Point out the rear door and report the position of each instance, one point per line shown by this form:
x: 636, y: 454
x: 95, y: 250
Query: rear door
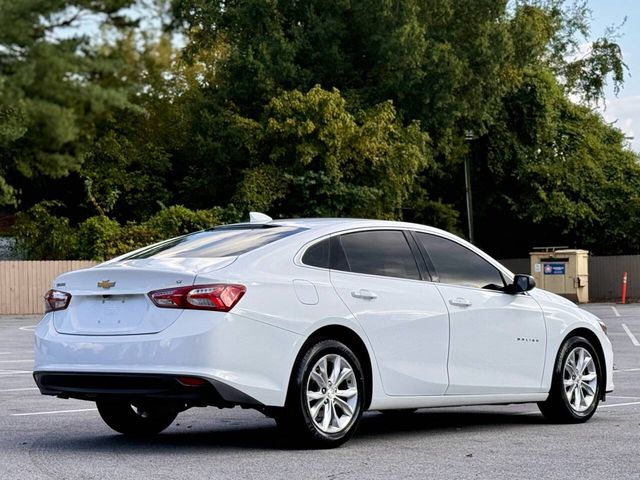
x: 498, y: 339
x: 376, y: 275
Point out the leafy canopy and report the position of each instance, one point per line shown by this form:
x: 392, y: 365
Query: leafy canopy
x: 332, y: 108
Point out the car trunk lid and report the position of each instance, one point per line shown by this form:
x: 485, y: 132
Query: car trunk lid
x: 112, y: 299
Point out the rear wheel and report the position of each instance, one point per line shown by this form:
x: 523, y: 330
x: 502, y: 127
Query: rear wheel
x: 326, y: 396
x: 576, y: 386
x: 135, y: 420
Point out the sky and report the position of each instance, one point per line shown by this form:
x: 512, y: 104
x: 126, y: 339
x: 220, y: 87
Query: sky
x: 623, y: 110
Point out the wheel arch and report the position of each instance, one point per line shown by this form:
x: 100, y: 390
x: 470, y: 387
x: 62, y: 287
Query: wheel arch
x: 352, y: 340
x: 595, y: 341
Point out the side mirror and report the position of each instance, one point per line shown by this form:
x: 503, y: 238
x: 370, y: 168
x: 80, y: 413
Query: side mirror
x: 522, y: 283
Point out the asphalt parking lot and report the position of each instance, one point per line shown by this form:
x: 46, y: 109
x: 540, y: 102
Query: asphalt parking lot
x: 44, y: 437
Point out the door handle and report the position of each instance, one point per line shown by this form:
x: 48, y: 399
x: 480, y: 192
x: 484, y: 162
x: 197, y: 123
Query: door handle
x: 460, y: 302
x: 364, y: 294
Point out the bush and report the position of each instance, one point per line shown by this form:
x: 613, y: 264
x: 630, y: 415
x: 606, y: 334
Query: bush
x: 178, y: 220
x: 42, y: 235
x: 96, y: 237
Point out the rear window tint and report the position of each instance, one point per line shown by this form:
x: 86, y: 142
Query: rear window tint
x: 379, y: 252
x: 317, y: 255
x: 217, y: 242
x: 326, y: 254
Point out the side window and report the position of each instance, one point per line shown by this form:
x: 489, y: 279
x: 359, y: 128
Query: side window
x: 317, y: 255
x: 379, y: 252
x: 458, y: 265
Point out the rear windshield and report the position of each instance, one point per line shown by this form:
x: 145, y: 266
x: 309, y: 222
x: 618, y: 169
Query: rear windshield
x: 217, y: 242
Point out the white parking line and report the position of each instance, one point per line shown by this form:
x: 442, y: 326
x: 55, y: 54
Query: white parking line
x: 628, y: 370
x: 634, y: 340
x: 6, y: 373
x: 5, y: 353
x: 535, y: 412
x: 54, y: 412
x: 19, y: 389
x: 618, y: 405
x: 28, y: 328
x: 615, y: 311
x: 17, y: 361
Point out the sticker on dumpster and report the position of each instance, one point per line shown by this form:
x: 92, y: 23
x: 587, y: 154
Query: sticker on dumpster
x: 537, y: 267
x: 554, y: 268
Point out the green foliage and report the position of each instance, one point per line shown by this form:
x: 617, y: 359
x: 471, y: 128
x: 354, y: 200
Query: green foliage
x: 316, y: 158
x: 119, y: 173
x: 563, y: 174
x: 315, y: 108
x: 99, y: 237
x: 446, y: 63
x: 53, y: 91
x: 178, y: 220
x: 588, y: 75
x: 262, y: 187
x: 582, y: 68
x: 43, y: 236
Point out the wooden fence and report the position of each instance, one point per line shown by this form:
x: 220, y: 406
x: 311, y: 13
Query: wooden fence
x: 24, y: 283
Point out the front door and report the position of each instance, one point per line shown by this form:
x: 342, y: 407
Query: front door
x: 497, y: 339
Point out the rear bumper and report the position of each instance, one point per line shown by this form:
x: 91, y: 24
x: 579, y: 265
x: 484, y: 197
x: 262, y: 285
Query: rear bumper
x: 139, y: 387
x: 231, y: 352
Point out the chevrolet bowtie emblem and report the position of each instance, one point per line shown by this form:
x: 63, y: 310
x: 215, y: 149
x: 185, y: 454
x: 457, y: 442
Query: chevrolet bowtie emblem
x: 106, y: 284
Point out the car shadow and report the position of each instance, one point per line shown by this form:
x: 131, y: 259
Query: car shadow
x: 266, y: 436
x: 436, y: 422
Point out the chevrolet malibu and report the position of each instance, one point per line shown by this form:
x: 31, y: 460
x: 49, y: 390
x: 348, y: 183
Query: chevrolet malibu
x: 313, y: 322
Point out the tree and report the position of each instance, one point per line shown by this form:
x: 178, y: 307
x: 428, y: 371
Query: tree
x: 315, y: 158
x: 52, y: 89
x: 333, y: 107
x: 445, y: 63
x: 556, y: 173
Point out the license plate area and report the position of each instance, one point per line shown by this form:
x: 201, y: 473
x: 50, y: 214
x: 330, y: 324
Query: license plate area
x: 130, y: 314
x: 111, y: 309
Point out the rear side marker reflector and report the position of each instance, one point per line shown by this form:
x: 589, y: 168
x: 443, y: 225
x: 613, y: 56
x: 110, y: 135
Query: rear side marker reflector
x: 191, y: 381
x: 56, y: 300
x: 218, y: 297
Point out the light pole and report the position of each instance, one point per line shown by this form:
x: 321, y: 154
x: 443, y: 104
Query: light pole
x: 468, y: 136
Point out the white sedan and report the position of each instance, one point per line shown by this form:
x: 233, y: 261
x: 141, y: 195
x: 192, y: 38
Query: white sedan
x: 313, y: 322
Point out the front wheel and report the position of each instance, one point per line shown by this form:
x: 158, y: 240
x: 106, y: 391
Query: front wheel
x: 135, y: 420
x: 576, y: 385
x: 326, y: 396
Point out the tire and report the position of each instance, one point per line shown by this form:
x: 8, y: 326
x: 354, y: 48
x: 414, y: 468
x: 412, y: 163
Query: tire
x: 318, y: 413
x: 573, y: 399
x: 132, y: 420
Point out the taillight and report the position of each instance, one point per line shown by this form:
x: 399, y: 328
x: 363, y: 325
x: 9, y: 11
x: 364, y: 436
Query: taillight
x: 220, y: 297
x: 56, y: 300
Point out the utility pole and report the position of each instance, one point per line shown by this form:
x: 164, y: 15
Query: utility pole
x: 469, y: 136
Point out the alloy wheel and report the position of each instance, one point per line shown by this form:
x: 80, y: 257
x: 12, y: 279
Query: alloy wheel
x: 580, y: 379
x: 332, y: 394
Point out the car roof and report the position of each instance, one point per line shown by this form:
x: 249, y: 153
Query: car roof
x: 316, y: 227
x: 323, y: 226
x: 316, y: 223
